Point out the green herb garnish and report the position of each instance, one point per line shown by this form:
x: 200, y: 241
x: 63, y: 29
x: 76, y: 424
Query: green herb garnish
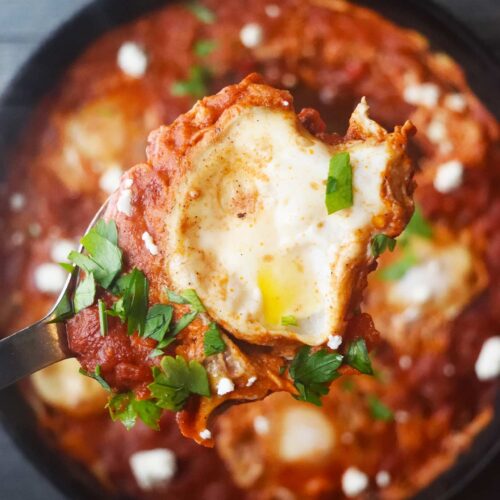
x: 176, y: 381
x: 96, y: 376
x: 380, y: 243
x: 195, y: 85
x: 399, y: 268
x: 289, y: 321
x: 203, y: 48
x: 192, y: 298
x: 135, y: 302
x: 103, y: 317
x: 84, y: 293
x: 357, y: 357
x: 126, y: 408
x: 313, y: 373
x: 213, y: 343
x: 418, y: 226
x: 339, y: 183
x: 204, y: 14
x: 379, y: 410
x: 63, y: 310
x: 175, y: 298
x: 183, y: 322
x: 158, y: 321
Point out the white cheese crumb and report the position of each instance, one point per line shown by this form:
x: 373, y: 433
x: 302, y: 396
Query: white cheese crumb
x: 124, y: 203
x: 449, y: 176
x: 251, y: 381
x: 49, y: 277
x: 153, y: 468
x: 205, y: 434
x: 448, y: 370
x: 437, y: 131
x: 354, y: 482
x: 60, y: 250
x: 456, y: 102
x: 327, y: 95
x: 405, y: 362
x: 383, y: 478
x: 17, y: 202
x: 261, y: 425
x: 224, y: 386
x: 285, y: 103
x: 272, y: 10
x: 132, y: 60
x: 488, y: 362
x: 334, y: 342
x: 251, y: 35
x: 425, y: 94
x: 149, y: 243
x: 110, y: 180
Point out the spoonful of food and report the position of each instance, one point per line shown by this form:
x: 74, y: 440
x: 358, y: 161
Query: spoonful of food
x: 232, y: 264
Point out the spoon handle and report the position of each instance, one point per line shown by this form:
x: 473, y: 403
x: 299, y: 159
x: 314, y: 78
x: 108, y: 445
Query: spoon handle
x: 32, y: 349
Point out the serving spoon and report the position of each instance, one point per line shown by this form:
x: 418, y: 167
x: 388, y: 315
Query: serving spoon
x: 44, y: 342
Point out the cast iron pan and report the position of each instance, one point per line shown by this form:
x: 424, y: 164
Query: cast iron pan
x: 41, y: 73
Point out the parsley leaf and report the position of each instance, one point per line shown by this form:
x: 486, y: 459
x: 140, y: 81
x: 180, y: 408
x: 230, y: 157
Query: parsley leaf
x: 63, y: 310
x: 203, y: 14
x: 379, y: 410
x: 176, y: 381
x: 103, y: 318
x: 313, y: 373
x: 84, y: 293
x: 117, y: 310
x: 192, y: 297
x: 213, y: 343
x: 107, y: 230
x: 289, y: 321
x: 357, y: 357
x: 183, y: 322
x: 399, y: 268
x: 195, y: 85
x: 203, y: 48
x: 96, y: 376
x: 126, y: 408
x: 157, y: 321
x: 418, y: 226
x: 339, y: 183
x: 380, y: 243
x: 135, y: 302
x: 175, y: 298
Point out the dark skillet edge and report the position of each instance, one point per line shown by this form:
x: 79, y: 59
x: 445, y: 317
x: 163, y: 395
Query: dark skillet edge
x: 20, y: 98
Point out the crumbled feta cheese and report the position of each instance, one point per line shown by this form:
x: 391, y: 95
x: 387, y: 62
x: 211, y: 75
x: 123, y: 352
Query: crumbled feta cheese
x: 383, y: 478
x: 449, y: 176
x: 405, y: 362
x: 289, y: 80
x: 488, y: 361
x: 326, y: 95
x: 251, y: 381
x: 149, y: 243
x: 272, y: 10
x: 49, y: 277
x: 425, y: 94
x: 17, y: 201
x: 153, y: 468
x: 224, y: 386
x: 456, y: 102
x: 448, y: 370
x: 334, y: 342
x: 110, y: 180
x: 205, y: 434
x: 132, y: 60
x: 285, y: 103
x: 60, y: 250
x: 251, y: 35
x: 437, y: 133
x: 354, y: 482
x: 261, y: 425
x: 124, y: 203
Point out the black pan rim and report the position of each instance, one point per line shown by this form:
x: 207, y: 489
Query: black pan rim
x: 24, y: 92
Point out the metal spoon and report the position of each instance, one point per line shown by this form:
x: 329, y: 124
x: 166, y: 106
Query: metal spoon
x: 43, y: 343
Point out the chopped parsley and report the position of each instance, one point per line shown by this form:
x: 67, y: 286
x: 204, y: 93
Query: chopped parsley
x: 213, y: 343
x: 84, y: 293
x: 126, y: 408
x: 192, y: 298
x: 357, y: 357
x: 135, y: 301
x: 195, y: 85
x: 378, y: 410
x: 202, y: 13
x: 183, y: 322
x: 203, y: 48
x: 176, y: 380
x: 418, y: 226
x: 96, y: 376
x: 339, y: 183
x: 63, y: 310
x: 289, y: 321
x: 380, y: 243
x: 103, y: 317
x: 158, y: 321
x: 313, y: 373
x: 399, y: 268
